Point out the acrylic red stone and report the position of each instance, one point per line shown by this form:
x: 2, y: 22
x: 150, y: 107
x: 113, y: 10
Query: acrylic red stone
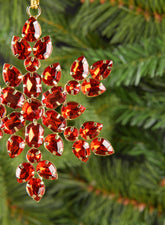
x: 90, y: 130
x: 54, y: 97
x: 81, y: 150
x: 34, y: 135
x: 31, y: 64
x: 11, y: 75
x: 92, y: 88
x: 72, y: 110
x: 2, y: 111
x: 54, y: 144
x: 35, y: 189
x: 71, y: 133
x: 32, y: 109
x: 47, y: 170
x: 24, y: 172
x: 15, y: 145
x: 80, y: 68
x: 52, y: 74
x: 54, y: 121
x: 34, y: 155
x: 101, y: 69
x: 73, y: 87
x: 101, y: 146
x: 20, y: 47
x: 43, y: 48
x: 31, y: 30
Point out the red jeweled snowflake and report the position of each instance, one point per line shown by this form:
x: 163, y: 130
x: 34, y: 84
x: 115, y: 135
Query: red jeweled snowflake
x: 32, y: 109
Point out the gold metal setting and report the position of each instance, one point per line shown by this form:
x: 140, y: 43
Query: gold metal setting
x: 35, y: 4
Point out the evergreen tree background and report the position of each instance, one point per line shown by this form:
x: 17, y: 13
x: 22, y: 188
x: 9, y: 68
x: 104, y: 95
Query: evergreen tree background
x: 127, y: 188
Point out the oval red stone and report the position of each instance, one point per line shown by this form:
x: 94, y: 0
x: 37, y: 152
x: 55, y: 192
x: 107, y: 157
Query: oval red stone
x: 13, y: 122
x: 24, y: 172
x: 80, y: 68
x: 12, y: 98
x: 81, y: 150
x: 72, y: 110
x: 15, y: 146
x: 101, y: 69
x: 34, y: 155
x: 34, y: 135
x: 54, y: 121
x: 32, y: 86
x: 92, y: 88
x: 11, y: 75
x: 43, y: 48
x: 2, y: 111
x: 47, y: 170
x: 32, y: 109
x: 71, y: 133
x: 1, y: 134
x: 35, y: 188
x: 73, y: 87
x: 54, y: 144
x: 31, y: 30
x: 101, y: 146
x: 54, y: 97
x: 90, y: 130
x: 20, y: 47
x: 31, y: 64
x: 52, y: 74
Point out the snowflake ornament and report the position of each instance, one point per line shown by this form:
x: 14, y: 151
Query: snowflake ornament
x: 32, y: 109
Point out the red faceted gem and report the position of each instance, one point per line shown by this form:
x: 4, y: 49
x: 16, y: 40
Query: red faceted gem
x: 31, y: 64
x: 12, y: 98
x: 43, y: 48
x: 15, y: 146
x: 1, y: 134
x: 47, y: 170
x: 24, y: 172
x: 101, y: 146
x: 81, y: 150
x: 34, y: 155
x: 90, y: 130
x: 73, y: 87
x: 32, y: 86
x: 32, y: 109
x: 101, y: 69
x: 13, y: 122
x: 80, y: 68
x: 71, y: 133
x: 35, y: 189
x: 54, y: 144
x: 92, y: 88
x: 34, y: 135
x: 52, y: 74
x: 11, y: 75
x: 2, y: 111
x: 20, y: 47
x: 72, y: 110
x: 54, y: 97
x: 31, y: 30
x: 54, y: 121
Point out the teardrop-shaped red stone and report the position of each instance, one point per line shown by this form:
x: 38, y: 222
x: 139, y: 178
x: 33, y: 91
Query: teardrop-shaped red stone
x: 92, y: 88
x: 71, y: 133
x: 73, y: 87
x: 81, y: 150
x: 90, y: 130
x: 34, y: 155
x: 47, y: 170
x: 101, y: 69
x: 31, y: 64
x: 20, y: 47
x: 2, y: 111
x: 15, y: 146
x: 72, y: 110
x: 24, y: 172
x: 52, y: 74
x: 43, y: 48
x: 101, y: 146
x: 54, y: 144
x: 80, y: 68
x: 11, y: 75
x: 31, y: 30
x: 35, y: 189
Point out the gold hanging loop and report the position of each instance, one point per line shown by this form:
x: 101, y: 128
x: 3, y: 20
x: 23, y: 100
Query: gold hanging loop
x: 35, y: 4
